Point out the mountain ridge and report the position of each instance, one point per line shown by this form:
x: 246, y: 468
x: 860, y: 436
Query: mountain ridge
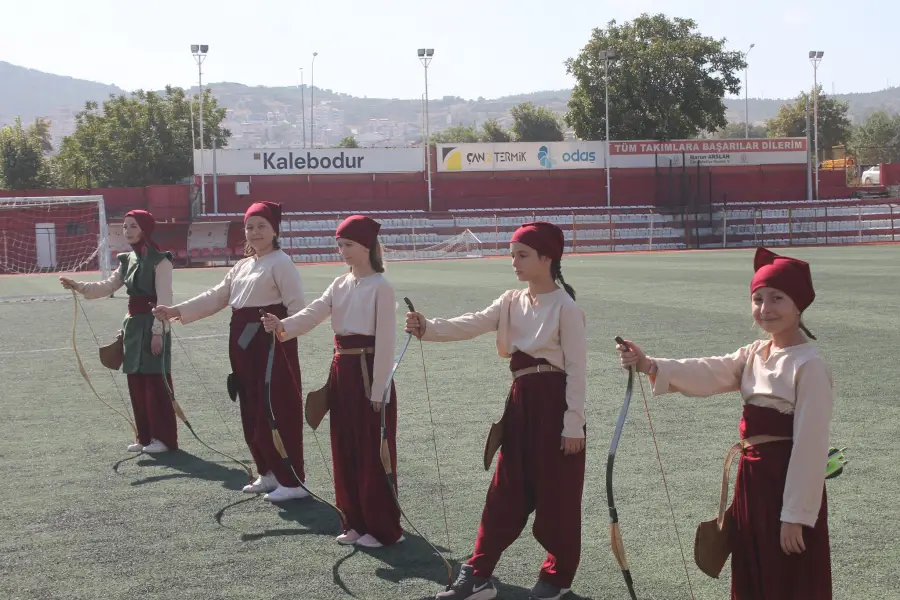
x: 30, y: 93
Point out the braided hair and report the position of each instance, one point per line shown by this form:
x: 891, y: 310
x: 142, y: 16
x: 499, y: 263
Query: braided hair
x: 556, y: 274
x: 806, y: 331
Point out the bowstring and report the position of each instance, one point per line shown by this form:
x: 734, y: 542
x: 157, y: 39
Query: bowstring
x: 209, y: 395
x: 666, y: 486
x: 97, y: 343
x: 300, y: 393
x: 436, y: 455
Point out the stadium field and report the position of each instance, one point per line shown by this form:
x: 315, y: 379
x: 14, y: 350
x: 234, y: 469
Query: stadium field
x: 82, y: 519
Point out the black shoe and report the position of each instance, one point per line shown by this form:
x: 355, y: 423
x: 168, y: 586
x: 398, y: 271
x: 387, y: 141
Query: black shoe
x: 469, y: 587
x: 544, y: 590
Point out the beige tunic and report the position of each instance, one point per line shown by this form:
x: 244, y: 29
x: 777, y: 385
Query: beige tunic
x: 793, y: 380
x: 163, y: 281
x: 551, y: 327
x: 253, y: 281
x: 360, y: 306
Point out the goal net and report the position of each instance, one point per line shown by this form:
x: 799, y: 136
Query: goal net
x: 53, y: 235
x: 463, y: 245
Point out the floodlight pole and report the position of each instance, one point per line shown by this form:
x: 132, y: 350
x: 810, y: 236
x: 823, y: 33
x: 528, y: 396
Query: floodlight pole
x: 746, y: 98
x: 312, y: 104
x: 425, y: 57
x: 815, y: 57
x: 199, y: 52
x: 606, y: 56
x: 302, y: 107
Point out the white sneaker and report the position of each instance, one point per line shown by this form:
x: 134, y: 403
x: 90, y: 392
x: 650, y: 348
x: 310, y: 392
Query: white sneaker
x: 263, y: 483
x: 368, y: 541
x: 135, y: 447
x: 348, y: 538
x: 155, y: 447
x: 282, y: 493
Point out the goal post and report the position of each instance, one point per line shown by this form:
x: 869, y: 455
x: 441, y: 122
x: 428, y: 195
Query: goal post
x: 462, y: 245
x: 54, y: 234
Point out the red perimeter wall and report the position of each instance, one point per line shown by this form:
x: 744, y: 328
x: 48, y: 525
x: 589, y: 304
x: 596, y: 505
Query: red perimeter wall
x: 529, y: 189
x: 662, y: 187
x: 166, y: 202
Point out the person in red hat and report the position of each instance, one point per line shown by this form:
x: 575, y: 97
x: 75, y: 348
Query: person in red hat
x: 265, y: 279
x: 361, y: 305
x: 542, y: 331
x: 146, y: 273
x: 779, y: 533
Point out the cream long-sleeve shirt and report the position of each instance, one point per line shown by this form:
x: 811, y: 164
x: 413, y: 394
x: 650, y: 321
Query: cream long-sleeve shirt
x: 253, y: 281
x: 793, y: 380
x: 550, y: 326
x: 360, y: 306
x: 162, y: 280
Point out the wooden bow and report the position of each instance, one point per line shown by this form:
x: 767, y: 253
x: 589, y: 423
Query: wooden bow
x: 180, y: 413
x: 618, y: 548
x: 615, y: 532
x: 386, y: 454
x: 83, y: 371
x: 276, y: 436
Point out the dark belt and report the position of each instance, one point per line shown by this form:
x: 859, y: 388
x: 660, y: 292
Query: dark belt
x: 537, y: 369
x: 140, y: 305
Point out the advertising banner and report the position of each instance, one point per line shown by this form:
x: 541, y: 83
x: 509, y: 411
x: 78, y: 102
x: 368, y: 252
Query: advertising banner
x: 707, y: 153
x: 303, y: 161
x: 520, y: 156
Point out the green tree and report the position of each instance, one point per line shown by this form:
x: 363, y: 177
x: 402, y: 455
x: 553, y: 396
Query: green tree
x: 144, y: 139
x: 834, y: 126
x: 667, y: 81
x: 458, y: 134
x: 878, y: 139
x: 22, y: 162
x: 348, y: 142
x: 535, y: 123
x: 492, y: 131
x: 41, y: 130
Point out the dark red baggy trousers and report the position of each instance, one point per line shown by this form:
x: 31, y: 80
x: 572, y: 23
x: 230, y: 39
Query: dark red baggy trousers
x: 533, y: 474
x: 361, y: 487
x: 154, y: 414
x: 153, y: 411
x: 249, y: 368
x: 760, y: 570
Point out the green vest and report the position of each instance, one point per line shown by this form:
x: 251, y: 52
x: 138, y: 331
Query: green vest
x: 139, y: 275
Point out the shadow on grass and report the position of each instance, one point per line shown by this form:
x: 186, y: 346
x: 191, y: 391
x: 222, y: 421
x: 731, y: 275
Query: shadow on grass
x: 312, y: 517
x: 423, y: 553
x: 514, y: 592
x: 415, y: 559
x: 220, y: 514
x: 336, y: 572
x: 119, y: 463
x: 232, y: 478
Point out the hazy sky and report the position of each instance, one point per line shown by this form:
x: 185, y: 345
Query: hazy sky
x: 484, y: 48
